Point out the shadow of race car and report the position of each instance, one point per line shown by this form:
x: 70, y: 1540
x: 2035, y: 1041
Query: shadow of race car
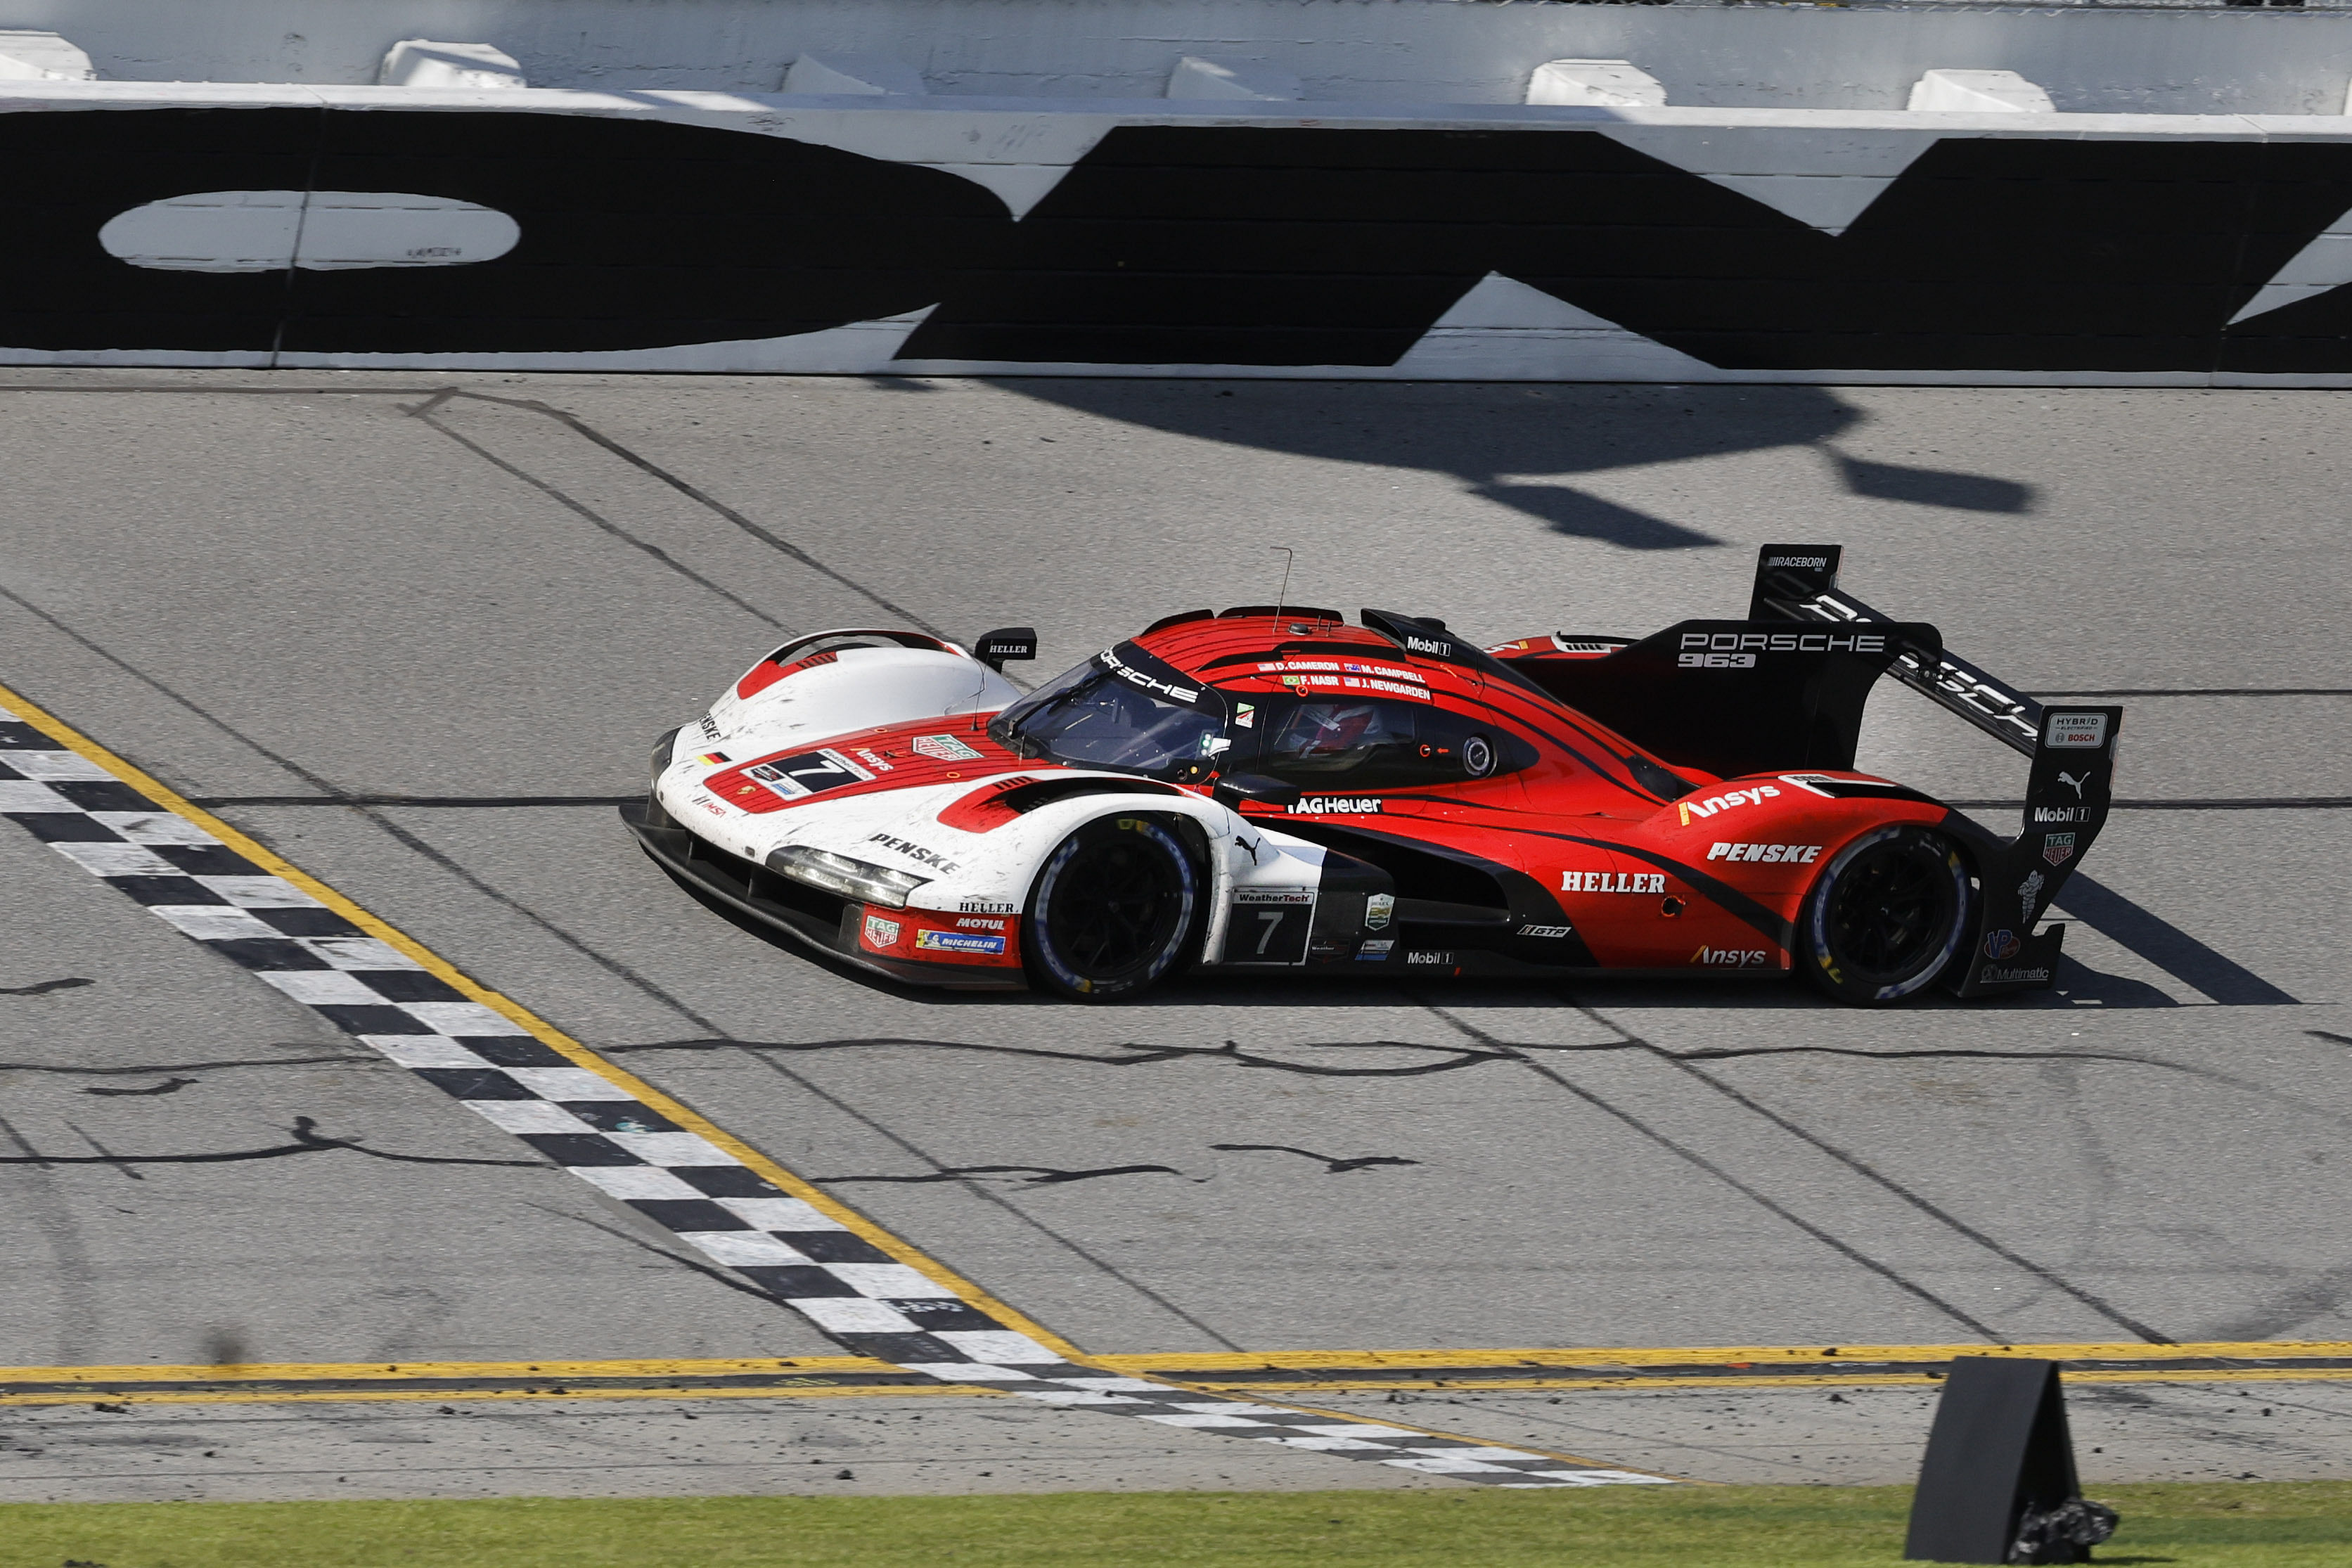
x: 1271, y: 789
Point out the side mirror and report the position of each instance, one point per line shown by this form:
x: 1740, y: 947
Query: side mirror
x: 1006, y: 643
x: 1253, y: 789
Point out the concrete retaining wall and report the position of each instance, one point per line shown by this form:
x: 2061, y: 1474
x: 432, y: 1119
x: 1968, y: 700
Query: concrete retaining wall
x: 957, y: 232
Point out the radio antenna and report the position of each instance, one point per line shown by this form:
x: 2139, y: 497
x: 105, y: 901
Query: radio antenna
x: 1282, y: 595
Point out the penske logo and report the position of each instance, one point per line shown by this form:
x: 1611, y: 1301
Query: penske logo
x: 1800, y: 854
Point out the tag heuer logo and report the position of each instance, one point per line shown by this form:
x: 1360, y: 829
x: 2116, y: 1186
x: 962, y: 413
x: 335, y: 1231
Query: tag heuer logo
x: 2057, y: 847
x: 881, y: 932
x: 944, y: 748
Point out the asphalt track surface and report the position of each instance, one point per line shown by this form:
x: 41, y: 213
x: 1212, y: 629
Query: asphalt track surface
x: 415, y: 635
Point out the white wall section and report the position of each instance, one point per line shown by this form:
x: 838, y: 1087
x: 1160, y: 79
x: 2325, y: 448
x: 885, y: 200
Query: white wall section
x: 1196, y: 78
x: 859, y: 75
x: 269, y: 231
x: 1611, y: 84
x: 41, y: 57
x: 1977, y: 92
x: 424, y: 63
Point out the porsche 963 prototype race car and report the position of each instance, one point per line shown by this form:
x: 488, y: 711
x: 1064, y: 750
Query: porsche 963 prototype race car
x: 1272, y: 789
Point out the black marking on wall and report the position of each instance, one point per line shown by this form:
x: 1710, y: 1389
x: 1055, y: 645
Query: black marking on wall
x: 636, y: 233
x: 1187, y: 244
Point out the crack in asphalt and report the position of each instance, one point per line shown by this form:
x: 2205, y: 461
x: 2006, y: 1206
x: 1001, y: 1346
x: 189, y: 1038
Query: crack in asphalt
x: 1331, y: 1164
x: 307, y: 1140
x: 1042, y: 1176
x: 43, y: 988
x: 147, y: 1069
x: 1137, y: 1054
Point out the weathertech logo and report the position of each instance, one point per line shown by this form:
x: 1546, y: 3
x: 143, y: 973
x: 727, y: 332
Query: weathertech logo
x: 1730, y: 957
x: 1337, y: 805
x: 1800, y: 854
x: 1610, y: 882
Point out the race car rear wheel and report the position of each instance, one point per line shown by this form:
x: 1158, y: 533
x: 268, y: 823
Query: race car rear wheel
x: 1886, y: 915
x: 1112, y: 911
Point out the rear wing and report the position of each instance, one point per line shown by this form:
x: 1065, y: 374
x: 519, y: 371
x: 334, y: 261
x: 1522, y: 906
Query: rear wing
x: 2067, y: 793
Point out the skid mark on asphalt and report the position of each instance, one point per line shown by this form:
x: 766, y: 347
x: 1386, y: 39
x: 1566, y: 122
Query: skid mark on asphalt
x: 168, y: 1086
x: 43, y: 988
x: 307, y: 1140
x: 865, y: 1289
x: 147, y: 1070
x: 1331, y: 1165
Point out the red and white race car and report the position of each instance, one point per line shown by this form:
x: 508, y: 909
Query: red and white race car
x: 1272, y: 789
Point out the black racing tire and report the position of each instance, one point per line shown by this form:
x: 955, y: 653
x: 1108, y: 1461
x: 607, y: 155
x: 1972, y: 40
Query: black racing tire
x: 1113, y: 910
x: 1886, y: 916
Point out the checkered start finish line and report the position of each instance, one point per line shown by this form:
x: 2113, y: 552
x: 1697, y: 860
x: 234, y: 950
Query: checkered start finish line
x: 854, y: 1292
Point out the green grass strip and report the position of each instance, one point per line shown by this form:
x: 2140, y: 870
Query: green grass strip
x: 2282, y: 1524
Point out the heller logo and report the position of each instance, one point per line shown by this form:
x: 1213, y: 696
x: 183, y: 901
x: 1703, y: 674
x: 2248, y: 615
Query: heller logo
x: 1800, y: 854
x: 1337, y: 805
x: 881, y: 932
x: 1611, y: 882
x: 985, y: 906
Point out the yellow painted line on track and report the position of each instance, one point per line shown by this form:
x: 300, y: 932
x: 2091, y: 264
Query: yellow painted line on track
x: 362, y: 1395
x: 555, y: 1040
x: 1168, y: 1363
x: 312, y: 1371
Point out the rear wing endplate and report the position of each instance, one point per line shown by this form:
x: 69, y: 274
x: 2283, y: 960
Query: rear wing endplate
x: 2067, y: 794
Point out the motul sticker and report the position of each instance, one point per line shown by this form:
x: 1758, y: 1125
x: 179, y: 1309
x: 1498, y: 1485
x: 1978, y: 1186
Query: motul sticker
x: 2088, y: 731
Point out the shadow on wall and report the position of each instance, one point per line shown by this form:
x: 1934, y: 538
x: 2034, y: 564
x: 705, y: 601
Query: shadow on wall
x: 1512, y: 443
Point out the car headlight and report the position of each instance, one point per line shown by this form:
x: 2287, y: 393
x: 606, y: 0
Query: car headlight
x: 840, y: 874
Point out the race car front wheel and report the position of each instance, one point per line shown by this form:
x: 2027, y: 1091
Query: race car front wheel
x: 1885, y: 916
x: 1112, y: 910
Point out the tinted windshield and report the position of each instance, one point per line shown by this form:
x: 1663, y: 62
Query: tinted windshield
x: 1107, y: 714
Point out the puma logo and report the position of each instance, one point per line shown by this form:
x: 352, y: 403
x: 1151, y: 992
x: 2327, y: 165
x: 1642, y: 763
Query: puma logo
x: 2075, y: 784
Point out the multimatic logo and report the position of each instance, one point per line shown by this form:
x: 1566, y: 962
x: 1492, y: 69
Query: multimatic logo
x: 915, y: 852
x: 1994, y: 974
x: 1610, y: 882
x: 1738, y: 650
x: 1337, y: 805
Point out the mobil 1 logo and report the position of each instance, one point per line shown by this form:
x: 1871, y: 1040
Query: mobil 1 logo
x: 1269, y: 925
